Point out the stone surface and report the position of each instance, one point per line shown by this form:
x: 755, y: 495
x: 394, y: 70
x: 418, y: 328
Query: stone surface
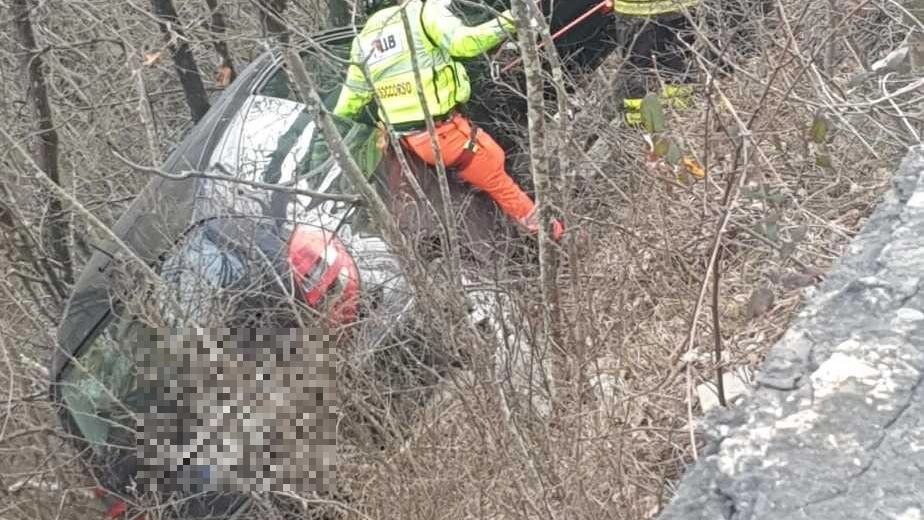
x: 835, y: 427
x: 734, y: 384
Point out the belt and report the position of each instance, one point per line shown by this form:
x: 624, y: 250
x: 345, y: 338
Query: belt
x: 419, y: 126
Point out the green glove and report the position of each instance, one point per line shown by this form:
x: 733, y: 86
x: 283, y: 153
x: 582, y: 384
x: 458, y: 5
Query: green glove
x: 506, y: 21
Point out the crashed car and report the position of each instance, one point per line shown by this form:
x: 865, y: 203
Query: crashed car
x: 270, y: 256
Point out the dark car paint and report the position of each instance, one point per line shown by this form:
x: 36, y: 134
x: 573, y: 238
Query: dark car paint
x: 161, y: 212
x: 150, y: 224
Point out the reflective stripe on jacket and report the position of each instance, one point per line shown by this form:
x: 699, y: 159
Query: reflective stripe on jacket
x: 437, y: 36
x: 652, y: 7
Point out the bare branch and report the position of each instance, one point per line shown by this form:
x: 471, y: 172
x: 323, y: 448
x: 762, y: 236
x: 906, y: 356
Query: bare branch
x: 340, y: 197
x: 218, y: 27
x: 183, y: 59
x: 46, y: 138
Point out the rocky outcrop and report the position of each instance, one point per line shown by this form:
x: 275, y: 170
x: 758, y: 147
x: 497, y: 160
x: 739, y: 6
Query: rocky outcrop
x: 835, y: 426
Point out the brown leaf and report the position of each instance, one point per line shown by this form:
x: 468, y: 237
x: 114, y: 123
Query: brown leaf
x: 787, y: 248
x: 151, y: 59
x: 791, y: 281
x: 381, y: 142
x: 798, y: 233
x: 760, y: 302
x: 225, y: 73
x: 817, y: 274
x: 693, y: 166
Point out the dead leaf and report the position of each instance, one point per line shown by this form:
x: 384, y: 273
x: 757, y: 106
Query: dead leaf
x: 760, y: 302
x: 798, y: 233
x: 151, y: 59
x: 817, y: 274
x: 791, y: 281
x: 693, y: 167
x: 225, y: 76
x: 787, y: 248
x: 382, y: 142
x: 819, y: 130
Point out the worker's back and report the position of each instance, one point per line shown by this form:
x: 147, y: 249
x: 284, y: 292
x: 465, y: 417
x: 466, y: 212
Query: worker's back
x: 389, y: 53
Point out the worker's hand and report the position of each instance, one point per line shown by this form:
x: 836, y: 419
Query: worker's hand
x: 506, y: 21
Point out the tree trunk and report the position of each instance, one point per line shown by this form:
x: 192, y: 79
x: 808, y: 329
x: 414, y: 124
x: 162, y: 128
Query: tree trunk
x: 271, y: 12
x: 45, y: 151
x: 916, y: 40
x: 217, y: 26
x: 183, y: 59
x: 339, y: 14
x: 539, y: 166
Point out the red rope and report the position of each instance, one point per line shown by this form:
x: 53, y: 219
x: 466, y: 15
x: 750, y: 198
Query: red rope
x: 604, y: 6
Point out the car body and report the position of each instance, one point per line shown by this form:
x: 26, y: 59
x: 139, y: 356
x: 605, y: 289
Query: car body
x: 204, y: 236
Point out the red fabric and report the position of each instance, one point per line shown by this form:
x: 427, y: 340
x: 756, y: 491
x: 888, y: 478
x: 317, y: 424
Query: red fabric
x: 117, y: 509
x: 556, y: 227
x: 484, y: 169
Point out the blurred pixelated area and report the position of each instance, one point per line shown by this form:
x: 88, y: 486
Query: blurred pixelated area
x: 238, y: 410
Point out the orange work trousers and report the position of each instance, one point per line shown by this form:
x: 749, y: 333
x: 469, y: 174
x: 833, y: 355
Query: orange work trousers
x: 483, y: 169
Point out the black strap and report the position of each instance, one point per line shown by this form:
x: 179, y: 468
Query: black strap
x: 473, y: 140
x: 420, y: 126
x: 470, y: 148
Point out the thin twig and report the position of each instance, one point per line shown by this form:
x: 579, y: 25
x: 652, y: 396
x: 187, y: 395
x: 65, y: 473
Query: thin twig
x: 339, y: 197
x: 716, y: 330
x: 452, y: 244
x: 66, y: 196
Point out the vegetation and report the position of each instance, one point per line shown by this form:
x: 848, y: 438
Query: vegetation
x: 798, y: 120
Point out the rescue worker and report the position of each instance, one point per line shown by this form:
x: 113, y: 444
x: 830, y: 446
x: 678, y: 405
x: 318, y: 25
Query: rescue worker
x: 654, y: 35
x: 438, y: 38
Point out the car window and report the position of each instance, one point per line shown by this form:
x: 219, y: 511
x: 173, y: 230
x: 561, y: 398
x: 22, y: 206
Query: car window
x: 200, y: 271
x: 98, y: 389
x: 327, y: 68
x: 275, y: 140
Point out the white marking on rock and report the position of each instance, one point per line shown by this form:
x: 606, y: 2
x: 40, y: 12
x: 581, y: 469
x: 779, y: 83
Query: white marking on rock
x: 735, y: 385
x: 909, y: 314
x: 801, y: 421
x: 752, y: 446
x: 916, y: 200
x: 769, y: 463
x: 840, y: 368
x: 912, y: 513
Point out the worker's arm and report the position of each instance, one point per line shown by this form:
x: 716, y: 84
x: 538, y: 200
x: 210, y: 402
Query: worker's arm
x: 356, y: 92
x: 460, y: 40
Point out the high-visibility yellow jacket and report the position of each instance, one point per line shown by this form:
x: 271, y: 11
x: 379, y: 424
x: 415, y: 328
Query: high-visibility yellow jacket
x: 437, y: 37
x: 652, y: 7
